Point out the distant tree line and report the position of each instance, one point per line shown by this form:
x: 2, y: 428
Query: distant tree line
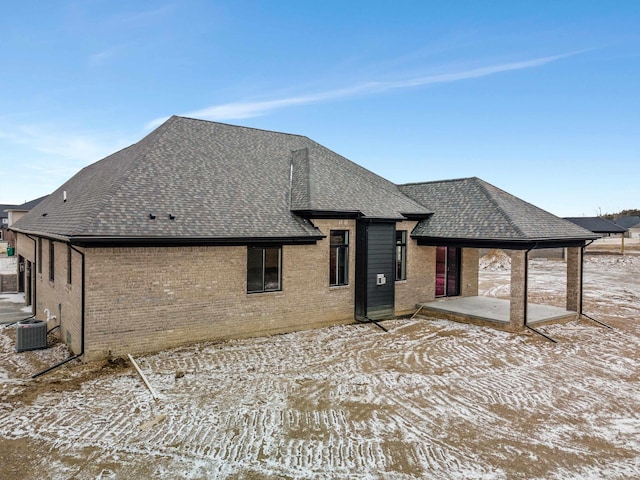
x: 634, y: 212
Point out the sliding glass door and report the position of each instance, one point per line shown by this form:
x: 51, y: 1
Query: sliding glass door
x: 447, y: 271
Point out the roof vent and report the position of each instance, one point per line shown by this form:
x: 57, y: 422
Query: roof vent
x: 64, y: 196
x: 44, y: 214
x: 31, y: 335
x: 152, y: 216
x: 172, y: 217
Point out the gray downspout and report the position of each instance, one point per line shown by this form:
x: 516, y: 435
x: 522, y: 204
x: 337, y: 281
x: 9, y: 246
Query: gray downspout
x: 82, y: 322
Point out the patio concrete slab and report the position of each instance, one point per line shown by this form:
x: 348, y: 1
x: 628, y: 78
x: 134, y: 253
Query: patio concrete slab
x: 489, y: 309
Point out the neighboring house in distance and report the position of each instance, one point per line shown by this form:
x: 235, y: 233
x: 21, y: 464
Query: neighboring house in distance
x: 205, y: 231
x: 4, y: 221
x: 602, y: 227
x: 16, y: 212
x: 631, y: 224
x: 599, y: 225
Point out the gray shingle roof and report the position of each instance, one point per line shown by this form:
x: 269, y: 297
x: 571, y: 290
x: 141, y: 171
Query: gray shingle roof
x: 24, y: 207
x: 597, y: 224
x: 323, y: 181
x: 473, y: 209
x: 628, y: 222
x: 3, y: 209
x: 218, y: 181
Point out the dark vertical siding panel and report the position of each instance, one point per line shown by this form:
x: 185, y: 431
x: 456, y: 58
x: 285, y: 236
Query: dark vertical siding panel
x: 380, y: 260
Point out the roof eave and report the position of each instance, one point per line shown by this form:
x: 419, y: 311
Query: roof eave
x: 509, y: 244
x: 159, y: 241
x: 53, y: 236
x: 417, y: 215
x: 328, y: 213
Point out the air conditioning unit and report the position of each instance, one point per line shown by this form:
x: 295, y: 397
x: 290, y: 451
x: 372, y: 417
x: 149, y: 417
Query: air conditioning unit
x: 31, y: 335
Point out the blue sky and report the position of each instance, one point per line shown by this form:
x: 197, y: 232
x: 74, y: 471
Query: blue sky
x: 541, y: 99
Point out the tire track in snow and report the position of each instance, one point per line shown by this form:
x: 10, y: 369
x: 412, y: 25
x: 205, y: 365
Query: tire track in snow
x: 430, y: 399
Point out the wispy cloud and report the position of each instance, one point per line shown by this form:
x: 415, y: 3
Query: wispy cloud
x: 75, y: 147
x: 143, y: 16
x: 249, y: 109
x: 48, y: 155
x: 100, y: 58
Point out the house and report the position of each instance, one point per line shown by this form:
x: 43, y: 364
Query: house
x: 602, y: 227
x: 599, y: 225
x: 631, y: 224
x: 4, y: 221
x: 12, y: 214
x: 203, y: 230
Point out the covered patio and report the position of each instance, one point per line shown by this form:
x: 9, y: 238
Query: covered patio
x: 515, y: 313
x: 472, y: 215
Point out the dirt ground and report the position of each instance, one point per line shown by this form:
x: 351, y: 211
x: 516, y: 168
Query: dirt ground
x: 429, y: 399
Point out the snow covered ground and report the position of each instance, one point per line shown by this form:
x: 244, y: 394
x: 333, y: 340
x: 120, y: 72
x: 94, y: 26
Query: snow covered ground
x: 429, y: 399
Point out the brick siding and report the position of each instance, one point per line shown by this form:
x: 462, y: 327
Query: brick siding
x: 146, y: 299
x: 420, y: 285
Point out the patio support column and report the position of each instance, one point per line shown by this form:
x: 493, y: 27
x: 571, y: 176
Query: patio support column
x: 470, y: 268
x: 518, y: 308
x: 574, y: 279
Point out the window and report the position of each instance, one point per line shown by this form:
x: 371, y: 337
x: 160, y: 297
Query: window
x: 339, y: 258
x: 52, y: 260
x: 39, y: 254
x: 69, y: 253
x: 401, y: 255
x: 264, y: 269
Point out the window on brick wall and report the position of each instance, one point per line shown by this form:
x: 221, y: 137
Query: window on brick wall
x: 69, y: 254
x: 264, y: 269
x: 339, y: 257
x: 39, y: 254
x: 401, y: 255
x: 52, y: 260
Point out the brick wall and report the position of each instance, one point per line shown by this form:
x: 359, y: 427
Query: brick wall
x: 421, y: 275
x: 574, y: 272
x: 517, y: 318
x: 63, y: 300
x: 8, y: 282
x: 469, y: 272
x: 147, y: 299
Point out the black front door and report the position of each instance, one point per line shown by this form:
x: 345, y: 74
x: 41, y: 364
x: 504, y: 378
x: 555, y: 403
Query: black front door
x: 375, y: 270
x: 447, y: 271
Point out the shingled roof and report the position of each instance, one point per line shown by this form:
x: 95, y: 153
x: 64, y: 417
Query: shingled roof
x: 597, y: 224
x: 470, y: 211
x: 628, y: 222
x: 205, y: 182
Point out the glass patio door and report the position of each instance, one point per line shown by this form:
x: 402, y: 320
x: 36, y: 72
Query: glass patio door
x: 447, y: 271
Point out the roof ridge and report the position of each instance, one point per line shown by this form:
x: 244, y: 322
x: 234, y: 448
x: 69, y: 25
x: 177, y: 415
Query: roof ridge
x: 481, y: 184
x: 181, y: 117
x: 429, y: 182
